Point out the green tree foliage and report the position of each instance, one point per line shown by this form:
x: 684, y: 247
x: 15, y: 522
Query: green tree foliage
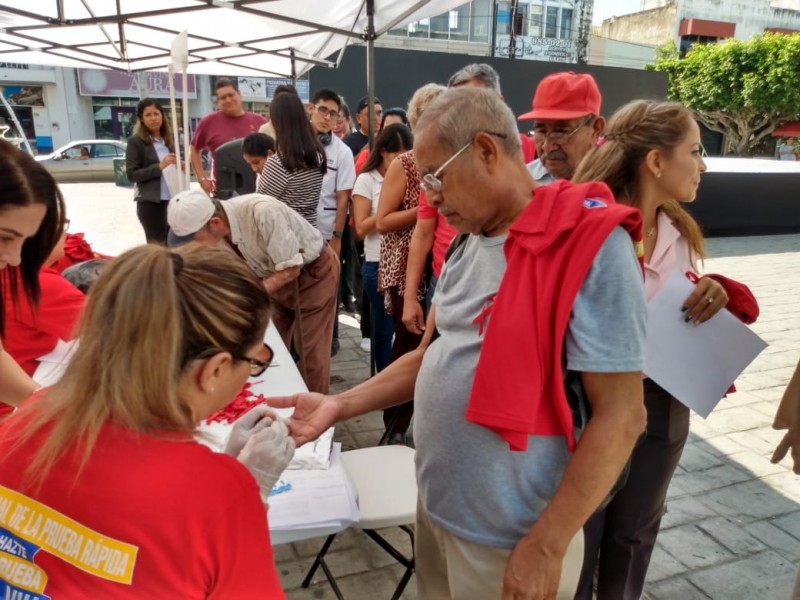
x: 742, y: 89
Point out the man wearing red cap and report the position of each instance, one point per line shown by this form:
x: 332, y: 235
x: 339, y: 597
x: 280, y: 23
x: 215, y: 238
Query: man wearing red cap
x: 567, y: 123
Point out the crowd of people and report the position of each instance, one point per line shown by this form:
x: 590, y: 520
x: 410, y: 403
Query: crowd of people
x: 505, y: 281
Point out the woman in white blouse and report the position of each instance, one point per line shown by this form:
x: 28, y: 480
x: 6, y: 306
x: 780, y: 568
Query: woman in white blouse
x: 390, y: 143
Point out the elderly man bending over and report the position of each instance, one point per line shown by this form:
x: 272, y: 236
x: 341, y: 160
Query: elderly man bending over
x: 546, y: 282
x: 300, y: 271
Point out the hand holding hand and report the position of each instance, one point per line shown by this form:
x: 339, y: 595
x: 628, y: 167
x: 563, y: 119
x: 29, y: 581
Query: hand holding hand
x: 267, y: 453
x: 245, y: 426
x: 313, y: 414
x: 706, y: 300
x: 413, y: 317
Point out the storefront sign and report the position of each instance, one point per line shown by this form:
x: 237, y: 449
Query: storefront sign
x: 537, y: 48
x: 98, y: 82
x: 262, y: 89
x: 23, y: 95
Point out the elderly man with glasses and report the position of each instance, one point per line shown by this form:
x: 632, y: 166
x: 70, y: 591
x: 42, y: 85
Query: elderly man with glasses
x: 539, y: 312
x: 300, y: 272
x: 566, y: 124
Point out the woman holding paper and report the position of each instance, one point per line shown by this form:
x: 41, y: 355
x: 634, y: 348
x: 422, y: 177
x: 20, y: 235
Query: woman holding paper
x: 651, y: 159
x: 113, y: 497
x: 149, y: 153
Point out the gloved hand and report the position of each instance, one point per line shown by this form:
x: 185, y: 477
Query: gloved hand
x: 266, y: 455
x: 253, y: 421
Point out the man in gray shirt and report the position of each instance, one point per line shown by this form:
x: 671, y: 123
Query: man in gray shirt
x: 495, y: 520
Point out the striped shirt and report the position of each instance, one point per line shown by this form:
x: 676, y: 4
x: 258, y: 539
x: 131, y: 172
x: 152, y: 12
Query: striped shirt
x: 297, y: 189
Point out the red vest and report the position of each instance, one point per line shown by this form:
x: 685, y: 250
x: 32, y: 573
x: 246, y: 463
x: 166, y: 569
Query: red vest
x: 518, y: 388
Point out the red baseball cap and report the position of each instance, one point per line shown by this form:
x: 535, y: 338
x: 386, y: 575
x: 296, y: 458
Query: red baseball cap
x: 563, y: 96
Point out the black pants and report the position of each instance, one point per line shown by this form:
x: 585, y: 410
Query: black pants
x: 153, y: 217
x: 624, y: 534
x: 404, y: 342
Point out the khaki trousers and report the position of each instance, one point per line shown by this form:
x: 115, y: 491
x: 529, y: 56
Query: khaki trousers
x: 318, y: 283
x: 451, y: 568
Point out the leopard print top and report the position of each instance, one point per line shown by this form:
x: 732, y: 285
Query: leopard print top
x: 394, y: 244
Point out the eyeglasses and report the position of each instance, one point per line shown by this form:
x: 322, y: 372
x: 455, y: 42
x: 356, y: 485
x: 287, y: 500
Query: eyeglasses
x: 327, y: 112
x: 559, y: 138
x: 432, y: 182
x: 257, y: 366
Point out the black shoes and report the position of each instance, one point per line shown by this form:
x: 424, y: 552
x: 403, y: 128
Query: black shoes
x: 349, y: 303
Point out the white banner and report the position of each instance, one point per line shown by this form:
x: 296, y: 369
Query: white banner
x: 537, y: 48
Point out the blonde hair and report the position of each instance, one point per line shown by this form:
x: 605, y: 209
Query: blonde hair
x: 633, y: 131
x: 149, y: 314
x: 421, y: 99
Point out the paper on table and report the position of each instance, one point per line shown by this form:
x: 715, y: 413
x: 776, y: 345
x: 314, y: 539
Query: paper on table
x: 316, y: 499
x: 696, y: 364
x: 52, y: 365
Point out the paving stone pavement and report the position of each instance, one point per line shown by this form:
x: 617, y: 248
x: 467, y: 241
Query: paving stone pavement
x: 732, y: 527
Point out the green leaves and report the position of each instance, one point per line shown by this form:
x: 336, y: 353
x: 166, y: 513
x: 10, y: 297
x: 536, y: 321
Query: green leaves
x: 742, y: 88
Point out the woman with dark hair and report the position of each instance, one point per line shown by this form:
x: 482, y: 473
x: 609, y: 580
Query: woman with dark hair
x: 294, y: 173
x: 392, y: 141
x: 393, y: 116
x: 256, y: 149
x: 150, y: 150
x: 652, y: 160
x: 32, y: 220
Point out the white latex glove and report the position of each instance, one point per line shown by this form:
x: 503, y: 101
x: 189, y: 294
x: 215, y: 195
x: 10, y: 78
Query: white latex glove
x: 266, y: 455
x: 253, y: 421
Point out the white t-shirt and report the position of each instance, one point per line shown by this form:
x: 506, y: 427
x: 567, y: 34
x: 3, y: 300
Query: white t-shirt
x: 369, y: 185
x: 341, y: 175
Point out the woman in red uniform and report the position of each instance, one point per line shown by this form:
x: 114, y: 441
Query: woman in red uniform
x: 103, y: 491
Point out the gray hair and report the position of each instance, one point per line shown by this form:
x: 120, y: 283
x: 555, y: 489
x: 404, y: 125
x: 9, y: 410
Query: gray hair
x: 462, y: 112
x: 480, y: 71
x: 421, y: 99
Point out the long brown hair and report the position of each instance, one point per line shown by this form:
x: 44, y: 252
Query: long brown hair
x: 633, y: 131
x: 23, y: 182
x: 149, y: 314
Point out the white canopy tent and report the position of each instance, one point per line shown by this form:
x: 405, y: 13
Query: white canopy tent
x: 281, y: 38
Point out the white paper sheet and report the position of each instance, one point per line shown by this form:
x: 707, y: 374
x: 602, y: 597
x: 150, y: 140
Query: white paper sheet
x: 317, y: 498
x: 696, y: 364
x: 52, y: 365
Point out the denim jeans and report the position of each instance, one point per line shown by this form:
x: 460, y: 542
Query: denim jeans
x: 382, y: 324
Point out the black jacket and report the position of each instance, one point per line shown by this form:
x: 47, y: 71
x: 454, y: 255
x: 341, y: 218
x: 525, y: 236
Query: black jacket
x: 141, y: 165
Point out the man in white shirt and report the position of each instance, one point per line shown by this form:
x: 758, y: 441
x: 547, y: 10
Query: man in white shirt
x: 340, y: 176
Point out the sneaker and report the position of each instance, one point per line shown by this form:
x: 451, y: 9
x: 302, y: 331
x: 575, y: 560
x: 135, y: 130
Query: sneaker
x: 365, y: 344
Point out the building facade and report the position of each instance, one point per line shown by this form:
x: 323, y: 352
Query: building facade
x: 56, y: 105
x: 686, y: 22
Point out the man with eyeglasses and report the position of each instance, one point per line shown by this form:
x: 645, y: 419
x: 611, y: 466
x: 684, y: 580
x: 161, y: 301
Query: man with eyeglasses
x: 300, y: 272
x: 543, y: 282
x: 358, y: 139
x: 228, y: 123
x: 334, y: 198
x: 340, y: 176
x: 567, y: 123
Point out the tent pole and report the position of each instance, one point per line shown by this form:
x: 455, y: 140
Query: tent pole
x: 371, y: 69
x: 294, y: 66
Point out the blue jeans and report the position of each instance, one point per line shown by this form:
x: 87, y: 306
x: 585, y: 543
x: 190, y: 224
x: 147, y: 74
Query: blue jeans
x: 382, y: 324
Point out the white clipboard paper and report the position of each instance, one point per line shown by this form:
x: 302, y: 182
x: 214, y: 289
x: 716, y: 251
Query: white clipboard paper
x: 696, y: 364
